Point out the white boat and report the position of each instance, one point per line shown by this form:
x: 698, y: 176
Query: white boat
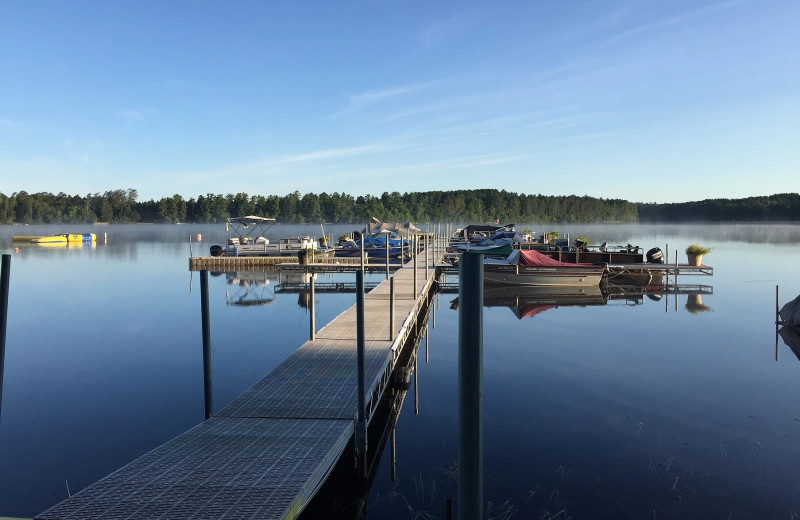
x: 531, y: 268
x: 247, y: 238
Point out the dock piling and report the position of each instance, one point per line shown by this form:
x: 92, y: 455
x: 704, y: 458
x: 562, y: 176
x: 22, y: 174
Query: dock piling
x: 207, y: 393
x: 391, y: 308
x: 470, y: 387
x: 5, y: 277
x: 361, y: 421
x: 312, y: 317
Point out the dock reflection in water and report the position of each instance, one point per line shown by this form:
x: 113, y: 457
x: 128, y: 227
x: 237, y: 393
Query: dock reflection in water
x: 344, y: 494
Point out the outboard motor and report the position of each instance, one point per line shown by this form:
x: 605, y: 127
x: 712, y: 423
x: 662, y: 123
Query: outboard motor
x: 217, y: 251
x: 655, y: 256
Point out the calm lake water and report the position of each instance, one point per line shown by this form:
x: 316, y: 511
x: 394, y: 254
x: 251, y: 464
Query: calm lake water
x: 646, y: 407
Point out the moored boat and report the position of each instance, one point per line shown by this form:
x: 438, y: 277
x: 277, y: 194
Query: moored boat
x: 61, y: 238
x: 528, y: 267
x: 247, y: 238
x: 500, y: 244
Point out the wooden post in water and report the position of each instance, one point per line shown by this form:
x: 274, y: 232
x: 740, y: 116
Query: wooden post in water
x: 5, y: 277
x: 207, y: 393
x: 470, y: 387
x: 361, y: 421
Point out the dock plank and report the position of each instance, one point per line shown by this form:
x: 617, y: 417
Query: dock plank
x: 266, y: 453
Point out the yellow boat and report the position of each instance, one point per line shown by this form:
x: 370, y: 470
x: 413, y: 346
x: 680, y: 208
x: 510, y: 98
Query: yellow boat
x: 56, y: 239
x: 53, y: 239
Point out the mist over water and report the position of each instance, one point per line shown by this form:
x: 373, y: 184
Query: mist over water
x: 649, y: 406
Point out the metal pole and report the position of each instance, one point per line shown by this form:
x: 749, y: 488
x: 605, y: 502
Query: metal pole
x: 191, y: 253
x: 387, y: 256
x: 676, y: 270
x: 470, y: 387
x: 361, y: 424
x: 362, y: 252
x: 416, y: 385
x: 391, y: 308
x: 426, y: 257
x: 5, y: 277
x: 394, y: 454
x: 416, y: 242
x: 312, y: 322
x: 207, y: 394
x: 777, y: 322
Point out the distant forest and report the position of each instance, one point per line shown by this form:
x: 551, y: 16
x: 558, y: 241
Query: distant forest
x: 476, y: 206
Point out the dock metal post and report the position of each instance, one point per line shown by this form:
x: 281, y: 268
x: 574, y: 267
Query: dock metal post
x: 207, y: 394
x: 362, y: 252
x: 312, y: 333
x: 387, y: 256
x: 470, y: 387
x: 391, y: 309
x: 427, y: 240
x: 777, y: 324
x: 361, y: 420
x: 416, y: 242
x: 5, y: 277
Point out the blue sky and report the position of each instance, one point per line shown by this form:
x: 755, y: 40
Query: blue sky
x: 642, y: 100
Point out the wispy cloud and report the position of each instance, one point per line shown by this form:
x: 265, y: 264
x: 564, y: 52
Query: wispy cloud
x: 357, y: 102
x: 331, y: 153
x: 674, y: 20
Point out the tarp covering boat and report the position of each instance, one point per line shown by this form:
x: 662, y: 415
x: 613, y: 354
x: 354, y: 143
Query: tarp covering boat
x: 791, y: 336
x: 533, y: 258
x: 790, y: 313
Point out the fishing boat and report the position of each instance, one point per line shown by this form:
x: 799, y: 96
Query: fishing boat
x: 500, y: 244
x: 528, y: 267
x: 247, y: 238
x: 375, y: 246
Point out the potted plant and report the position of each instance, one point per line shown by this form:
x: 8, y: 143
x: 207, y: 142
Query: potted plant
x: 694, y: 304
x: 695, y: 253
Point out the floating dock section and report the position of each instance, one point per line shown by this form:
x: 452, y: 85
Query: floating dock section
x: 267, y: 452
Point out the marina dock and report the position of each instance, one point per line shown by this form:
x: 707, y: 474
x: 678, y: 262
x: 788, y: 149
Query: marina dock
x: 266, y: 453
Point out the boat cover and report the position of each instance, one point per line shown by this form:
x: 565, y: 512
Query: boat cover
x: 529, y: 311
x: 533, y: 258
x: 790, y: 313
x: 791, y: 336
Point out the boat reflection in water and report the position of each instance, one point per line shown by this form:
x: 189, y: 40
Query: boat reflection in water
x: 529, y: 301
x: 258, y: 287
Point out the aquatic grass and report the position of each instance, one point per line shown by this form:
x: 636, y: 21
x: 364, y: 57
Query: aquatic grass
x: 505, y: 511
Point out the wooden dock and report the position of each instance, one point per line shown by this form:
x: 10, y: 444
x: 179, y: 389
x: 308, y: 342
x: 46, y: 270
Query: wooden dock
x: 267, y: 452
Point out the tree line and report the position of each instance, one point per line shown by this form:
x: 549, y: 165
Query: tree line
x: 486, y: 205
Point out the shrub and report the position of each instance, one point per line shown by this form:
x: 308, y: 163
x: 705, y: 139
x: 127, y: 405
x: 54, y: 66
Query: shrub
x: 694, y: 249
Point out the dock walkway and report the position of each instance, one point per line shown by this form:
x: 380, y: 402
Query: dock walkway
x: 267, y: 452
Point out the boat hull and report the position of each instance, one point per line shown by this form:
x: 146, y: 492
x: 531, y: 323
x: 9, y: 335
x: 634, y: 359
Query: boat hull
x: 499, y: 274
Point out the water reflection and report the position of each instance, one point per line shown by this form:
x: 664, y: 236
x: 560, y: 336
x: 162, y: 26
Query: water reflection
x: 344, y: 494
x: 791, y: 337
x: 527, y: 302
